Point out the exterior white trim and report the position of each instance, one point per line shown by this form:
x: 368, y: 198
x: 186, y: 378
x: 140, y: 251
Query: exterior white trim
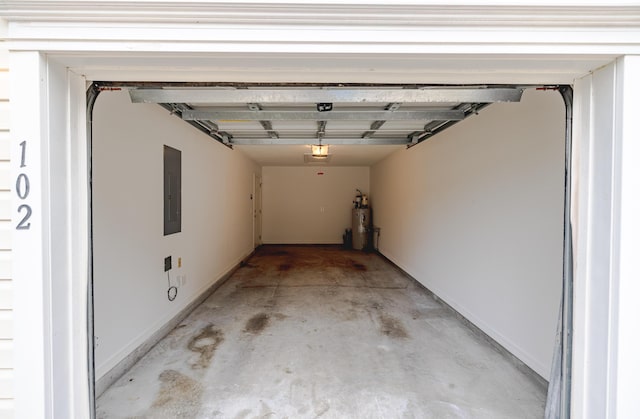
x: 55, y: 45
x: 625, y: 341
x: 412, y: 42
x: 31, y: 260
x: 325, y: 26
x: 579, y: 14
x: 51, y: 258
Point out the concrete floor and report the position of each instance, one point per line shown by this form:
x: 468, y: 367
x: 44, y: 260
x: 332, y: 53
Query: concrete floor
x: 306, y: 332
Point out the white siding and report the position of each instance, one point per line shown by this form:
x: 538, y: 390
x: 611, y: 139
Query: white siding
x: 6, y: 408
x: 6, y: 295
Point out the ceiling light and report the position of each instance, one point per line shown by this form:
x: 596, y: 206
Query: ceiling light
x: 309, y: 159
x: 320, y: 151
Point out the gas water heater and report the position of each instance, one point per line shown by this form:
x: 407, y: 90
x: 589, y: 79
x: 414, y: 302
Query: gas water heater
x: 360, y: 222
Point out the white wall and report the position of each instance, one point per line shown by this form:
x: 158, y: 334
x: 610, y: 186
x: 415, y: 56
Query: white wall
x: 130, y: 285
x: 476, y: 215
x: 300, y: 206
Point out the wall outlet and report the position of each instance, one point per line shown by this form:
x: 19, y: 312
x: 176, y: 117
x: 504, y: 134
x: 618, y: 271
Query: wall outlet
x: 167, y: 263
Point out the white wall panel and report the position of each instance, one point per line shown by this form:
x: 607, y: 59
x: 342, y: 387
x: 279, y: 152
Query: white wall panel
x: 6, y: 288
x: 4, y: 56
x: 130, y: 285
x: 6, y: 383
x: 6, y: 297
x: 5, y: 206
x: 6, y: 238
x: 6, y: 353
x: 6, y: 409
x: 302, y: 206
x: 5, y: 176
x: 4, y: 114
x: 476, y: 215
x: 4, y: 83
x: 5, y: 145
x: 5, y: 264
x: 6, y: 325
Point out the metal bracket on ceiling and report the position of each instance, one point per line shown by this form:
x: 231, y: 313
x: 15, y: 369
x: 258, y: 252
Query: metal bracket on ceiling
x: 417, y: 137
x: 321, y: 129
x: 266, y: 125
x: 434, y: 127
x: 208, y: 127
x: 376, y: 125
x: 212, y: 126
x: 214, y: 132
x: 223, y: 138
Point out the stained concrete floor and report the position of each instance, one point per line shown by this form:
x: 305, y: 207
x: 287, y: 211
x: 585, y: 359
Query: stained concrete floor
x: 307, y: 332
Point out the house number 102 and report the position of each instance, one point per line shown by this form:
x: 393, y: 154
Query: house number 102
x: 22, y: 190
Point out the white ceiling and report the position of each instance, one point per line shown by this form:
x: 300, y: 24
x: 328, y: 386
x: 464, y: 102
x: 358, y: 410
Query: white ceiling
x: 341, y: 155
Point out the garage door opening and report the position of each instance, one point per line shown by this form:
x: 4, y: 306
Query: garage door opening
x: 441, y: 207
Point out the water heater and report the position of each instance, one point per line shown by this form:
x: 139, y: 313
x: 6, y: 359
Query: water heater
x: 360, y: 224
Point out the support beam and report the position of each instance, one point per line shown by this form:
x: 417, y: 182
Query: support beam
x: 436, y: 95
x: 328, y: 141
x: 218, y: 115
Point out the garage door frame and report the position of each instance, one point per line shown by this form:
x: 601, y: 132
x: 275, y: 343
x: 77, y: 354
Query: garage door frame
x: 51, y: 264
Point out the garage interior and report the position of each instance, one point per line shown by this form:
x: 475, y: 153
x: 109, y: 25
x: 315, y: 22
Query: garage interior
x: 472, y: 215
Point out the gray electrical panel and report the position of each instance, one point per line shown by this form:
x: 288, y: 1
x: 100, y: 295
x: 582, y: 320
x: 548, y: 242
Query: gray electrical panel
x: 172, y: 190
